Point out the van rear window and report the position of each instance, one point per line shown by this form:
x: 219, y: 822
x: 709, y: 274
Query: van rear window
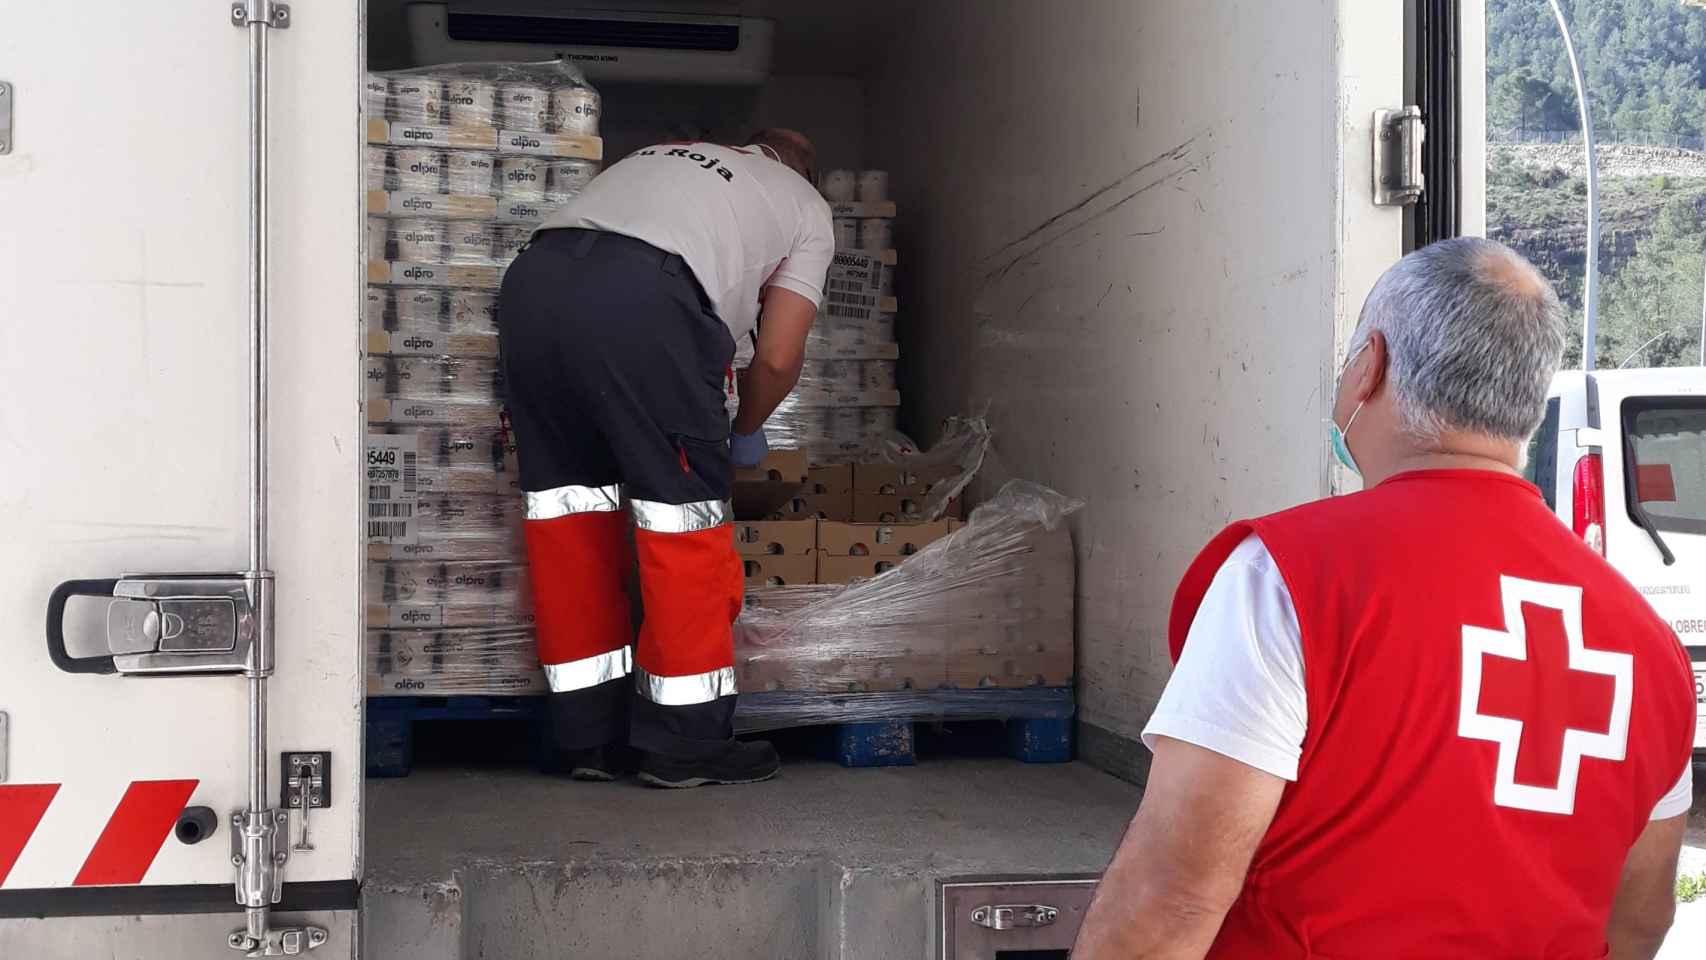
x: 1667, y: 472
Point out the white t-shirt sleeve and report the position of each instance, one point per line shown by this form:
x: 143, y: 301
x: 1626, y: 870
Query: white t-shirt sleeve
x: 1680, y: 799
x: 807, y: 264
x: 1238, y: 687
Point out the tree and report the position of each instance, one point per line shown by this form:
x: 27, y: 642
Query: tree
x: 1650, y: 309
x: 1521, y: 101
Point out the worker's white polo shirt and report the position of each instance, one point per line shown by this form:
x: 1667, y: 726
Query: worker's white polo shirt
x: 741, y: 220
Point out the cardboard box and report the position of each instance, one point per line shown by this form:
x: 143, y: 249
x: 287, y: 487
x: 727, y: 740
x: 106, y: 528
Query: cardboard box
x: 805, y: 506
x: 761, y: 492
x: 891, y: 480
x: 830, y: 481
x: 468, y: 137
x: 500, y: 662
x: 435, y: 547
x: 881, y: 210
x: 874, y: 509
x: 832, y: 569
x: 459, y: 582
x: 448, y: 615
x: 780, y: 570
x: 420, y: 343
x: 759, y: 538
x: 780, y: 467
x: 387, y: 203
x: 421, y: 411
x: 404, y: 274
x: 1015, y: 629
x: 1010, y: 628
x: 877, y: 539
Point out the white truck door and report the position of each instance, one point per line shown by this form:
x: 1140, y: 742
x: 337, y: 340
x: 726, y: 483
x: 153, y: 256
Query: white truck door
x: 1654, y: 428
x: 125, y: 321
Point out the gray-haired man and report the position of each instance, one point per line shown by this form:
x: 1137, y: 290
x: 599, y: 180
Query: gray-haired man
x: 1423, y: 720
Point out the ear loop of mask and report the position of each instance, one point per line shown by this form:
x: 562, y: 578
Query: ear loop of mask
x: 1348, y: 361
x: 770, y: 152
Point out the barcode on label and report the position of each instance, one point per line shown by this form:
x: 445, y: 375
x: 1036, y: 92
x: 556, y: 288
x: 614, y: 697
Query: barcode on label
x: 847, y: 286
x: 387, y: 529
x: 853, y: 299
x: 379, y: 491
x: 410, y: 474
x: 846, y: 312
x: 392, y: 510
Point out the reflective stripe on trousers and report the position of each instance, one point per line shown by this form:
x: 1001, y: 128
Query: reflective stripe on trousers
x: 691, y: 583
x: 589, y: 672
x: 679, y: 517
x: 565, y: 501
x: 688, y: 690
x: 578, y: 562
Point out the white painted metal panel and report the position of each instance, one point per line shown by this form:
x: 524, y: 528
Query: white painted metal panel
x: 1139, y: 232
x: 123, y: 334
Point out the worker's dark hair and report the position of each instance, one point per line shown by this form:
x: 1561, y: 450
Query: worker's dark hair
x: 791, y: 147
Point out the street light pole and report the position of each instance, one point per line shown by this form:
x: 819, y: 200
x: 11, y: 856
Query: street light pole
x: 1590, y: 292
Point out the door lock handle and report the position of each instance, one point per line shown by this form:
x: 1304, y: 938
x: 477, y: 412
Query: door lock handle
x: 170, y: 623
x: 56, y: 650
x: 1012, y: 916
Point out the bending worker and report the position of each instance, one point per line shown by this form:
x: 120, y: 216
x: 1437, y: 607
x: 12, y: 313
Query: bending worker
x: 619, y: 324
x: 1421, y: 721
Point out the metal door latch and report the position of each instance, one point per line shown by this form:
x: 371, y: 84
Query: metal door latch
x: 285, y: 942
x: 1011, y: 916
x: 264, y: 12
x: 172, y: 623
x: 307, y: 786
x: 1398, y: 138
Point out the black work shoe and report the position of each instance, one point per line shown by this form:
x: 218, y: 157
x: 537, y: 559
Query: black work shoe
x: 737, y: 762
x: 591, y: 763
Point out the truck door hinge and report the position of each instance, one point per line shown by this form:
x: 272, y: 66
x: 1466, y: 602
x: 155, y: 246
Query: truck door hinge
x: 6, y: 97
x: 1398, y: 138
x: 264, y: 12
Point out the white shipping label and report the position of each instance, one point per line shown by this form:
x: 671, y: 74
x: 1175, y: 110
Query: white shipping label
x: 393, y: 487
x: 854, y: 286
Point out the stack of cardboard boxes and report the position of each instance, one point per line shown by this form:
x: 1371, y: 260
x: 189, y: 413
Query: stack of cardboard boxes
x: 846, y: 404
x: 835, y: 524
x: 461, y: 165
x: 992, y: 608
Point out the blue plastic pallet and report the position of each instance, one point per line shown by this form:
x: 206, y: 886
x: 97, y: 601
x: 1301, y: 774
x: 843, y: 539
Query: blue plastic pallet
x: 391, y: 724
x: 878, y: 730
x: 1039, y: 720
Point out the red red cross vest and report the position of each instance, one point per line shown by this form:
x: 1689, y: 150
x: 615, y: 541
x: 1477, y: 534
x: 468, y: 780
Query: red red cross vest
x: 1493, y: 714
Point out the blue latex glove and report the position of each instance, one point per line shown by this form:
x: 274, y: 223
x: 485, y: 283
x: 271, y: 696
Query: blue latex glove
x: 748, y: 449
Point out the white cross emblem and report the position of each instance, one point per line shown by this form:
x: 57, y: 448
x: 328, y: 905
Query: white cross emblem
x: 1512, y: 643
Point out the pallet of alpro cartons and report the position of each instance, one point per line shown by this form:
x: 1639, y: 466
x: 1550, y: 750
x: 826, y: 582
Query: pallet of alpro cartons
x: 463, y: 160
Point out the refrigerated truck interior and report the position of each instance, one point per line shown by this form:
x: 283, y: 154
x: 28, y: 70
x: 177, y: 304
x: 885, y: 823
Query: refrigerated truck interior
x: 1135, y: 237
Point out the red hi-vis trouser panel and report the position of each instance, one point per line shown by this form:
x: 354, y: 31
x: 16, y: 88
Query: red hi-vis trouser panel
x: 578, y: 559
x: 690, y: 580
x: 127, y: 844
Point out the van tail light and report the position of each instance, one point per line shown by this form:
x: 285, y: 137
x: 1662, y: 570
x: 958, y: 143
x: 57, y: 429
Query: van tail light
x: 1590, y: 501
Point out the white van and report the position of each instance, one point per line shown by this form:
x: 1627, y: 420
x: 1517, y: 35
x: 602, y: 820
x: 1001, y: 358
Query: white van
x: 1621, y: 457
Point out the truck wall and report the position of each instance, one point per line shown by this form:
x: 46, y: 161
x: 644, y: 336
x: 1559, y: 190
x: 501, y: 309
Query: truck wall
x: 1121, y: 234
